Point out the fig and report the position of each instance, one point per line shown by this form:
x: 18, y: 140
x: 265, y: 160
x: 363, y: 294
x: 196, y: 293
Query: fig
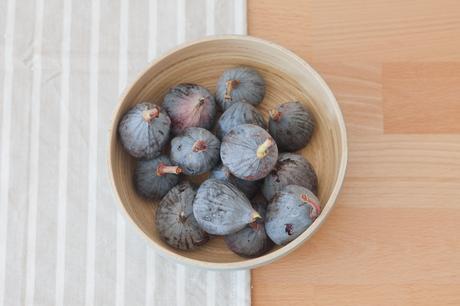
x: 240, y: 84
x: 154, y: 178
x: 249, y: 152
x: 237, y: 114
x: 175, y: 221
x: 291, y: 125
x: 251, y: 241
x: 144, y: 130
x: 290, y: 169
x: 249, y: 188
x: 221, y: 209
x: 196, y: 151
x: 190, y: 105
x: 291, y: 211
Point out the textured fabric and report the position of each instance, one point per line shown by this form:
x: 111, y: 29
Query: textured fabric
x: 63, y: 65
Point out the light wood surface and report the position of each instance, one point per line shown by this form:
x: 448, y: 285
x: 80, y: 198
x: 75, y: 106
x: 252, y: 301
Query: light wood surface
x: 394, y: 236
x: 288, y: 78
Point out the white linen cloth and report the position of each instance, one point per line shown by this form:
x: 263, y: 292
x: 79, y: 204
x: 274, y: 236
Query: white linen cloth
x: 63, y: 64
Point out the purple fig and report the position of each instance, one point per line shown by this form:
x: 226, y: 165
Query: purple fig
x: 196, y: 151
x: 221, y: 209
x: 154, y: 178
x: 292, y: 125
x: 175, y: 221
x: 144, y: 130
x: 240, y: 84
x: 251, y: 241
x: 291, y: 169
x: 249, y: 152
x: 190, y: 105
x: 249, y: 188
x: 291, y: 211
x: 237, y: 114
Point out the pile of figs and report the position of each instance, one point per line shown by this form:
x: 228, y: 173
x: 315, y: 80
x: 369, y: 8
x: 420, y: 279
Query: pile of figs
x: 257, y: 193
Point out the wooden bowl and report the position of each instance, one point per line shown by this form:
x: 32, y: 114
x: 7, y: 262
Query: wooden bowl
x: 287, y: 77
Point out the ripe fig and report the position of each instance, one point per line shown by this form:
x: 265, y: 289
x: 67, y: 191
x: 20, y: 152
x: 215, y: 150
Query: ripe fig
x: 290, y: 169
x: 190, y: 105
x: 291, y: 211
x: 249, y: 152
x: 154, y: 178
x: 175, y: 221
x: 251, y: 241
x: 240, y: 84
x: 237, y: 114
x: 249, y: 188
x: 144, y: 130
x: 221, y: 209
x: 196, y: 151
x: 292, y: 125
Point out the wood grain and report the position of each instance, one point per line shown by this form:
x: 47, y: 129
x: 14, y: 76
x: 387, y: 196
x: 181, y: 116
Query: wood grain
x: 431, y: 87
x: 360, y: 30
x: 394, y: 237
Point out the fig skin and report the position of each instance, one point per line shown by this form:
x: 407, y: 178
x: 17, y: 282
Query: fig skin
x: 190, y: 105
x: 237, y: 114
x: 249, y: 152
x: 240, y: 84
x: 251, y: 241
x: 291, y: 211
x: 291, y: 125
x: 196, y: 151
x: 290, y: 169
x: 154, y: 178
x: 221, y: 209
x: 175, y: 221
x: 249, y: 188
x: 144, y: 130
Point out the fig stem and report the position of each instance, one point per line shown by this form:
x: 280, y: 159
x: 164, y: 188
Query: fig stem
x: 262, y: 150
x: 163, y: 169
x: 275, y: 114
x: 315, y: 208
x: 255, y: 216
x: 231, y: 84
x: 199, y: 146
x: 150, y: 114
x: 201, y: 101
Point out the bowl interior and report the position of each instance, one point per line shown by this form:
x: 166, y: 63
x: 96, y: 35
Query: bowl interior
x: 287, y: 78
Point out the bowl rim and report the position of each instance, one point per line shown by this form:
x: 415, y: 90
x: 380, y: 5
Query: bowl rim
x: 248, y: 263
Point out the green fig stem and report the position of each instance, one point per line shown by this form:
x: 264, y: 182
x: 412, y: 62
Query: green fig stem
x: 262, y: 150
x: 199, y: 146
x: 163, y: 169
x: 255, y: 216
x: 315, y: 208
x: 231, y: 84
x: 150, y: 114
x: 275, y: 114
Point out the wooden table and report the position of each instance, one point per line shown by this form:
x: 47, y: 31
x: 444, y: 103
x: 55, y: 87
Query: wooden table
x: 394, y: 236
